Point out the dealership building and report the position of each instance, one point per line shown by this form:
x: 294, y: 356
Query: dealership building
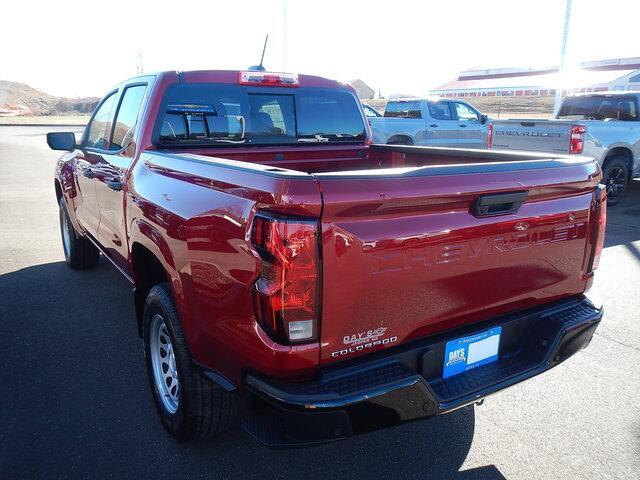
x: 598, y: 76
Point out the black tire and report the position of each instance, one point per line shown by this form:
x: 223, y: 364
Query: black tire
x: 79, y: 252
x: 204, y: 409
x: 615, y: 177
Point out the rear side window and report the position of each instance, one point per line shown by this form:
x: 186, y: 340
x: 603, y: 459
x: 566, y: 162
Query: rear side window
x: 403, y: 110
x: 600, y: 107
x: 440, y: 110
x: 100, y: 126
x: 127, y: 116
x: 215, y: 114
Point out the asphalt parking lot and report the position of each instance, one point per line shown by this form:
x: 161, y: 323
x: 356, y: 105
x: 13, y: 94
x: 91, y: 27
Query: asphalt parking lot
x: 76, y: 404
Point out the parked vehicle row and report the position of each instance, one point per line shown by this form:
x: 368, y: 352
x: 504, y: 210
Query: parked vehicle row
x: 284, y: 266
x: 604, y: 126
x: 599, y: 125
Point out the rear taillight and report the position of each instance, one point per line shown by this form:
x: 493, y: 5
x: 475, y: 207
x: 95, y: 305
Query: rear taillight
x: 286, y: 293
x: 576, y: 143
x: 490, y: 135
x: 269, y: 79
x: 601, y: 223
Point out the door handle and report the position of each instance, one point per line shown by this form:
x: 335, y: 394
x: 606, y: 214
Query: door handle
x: 87, y: 172
x: 463, y: 126
x: 498, y: 203
x: 434, y: 125
x: 115, y: 185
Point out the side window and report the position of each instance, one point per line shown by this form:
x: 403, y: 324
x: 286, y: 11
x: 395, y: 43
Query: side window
x: 466, y: 113
x: 414, y: 110
x: 403, y: 110
x: 100, y: 126
x: 368, y: 112
x: 623, y: 109
x: 440, y: 110
x: 628, y: 110
x: 127, y: 116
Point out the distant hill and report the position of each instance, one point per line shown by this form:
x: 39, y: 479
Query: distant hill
x: 17, y: 99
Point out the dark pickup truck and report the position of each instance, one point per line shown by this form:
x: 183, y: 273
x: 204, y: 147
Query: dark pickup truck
x: 282, y: 263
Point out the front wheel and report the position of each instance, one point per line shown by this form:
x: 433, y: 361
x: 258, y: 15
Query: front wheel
x: 79, y: 252
x: 615, y: 176
x: 191, y: 406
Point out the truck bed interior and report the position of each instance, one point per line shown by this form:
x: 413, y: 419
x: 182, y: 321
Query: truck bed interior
x: 342, y: 159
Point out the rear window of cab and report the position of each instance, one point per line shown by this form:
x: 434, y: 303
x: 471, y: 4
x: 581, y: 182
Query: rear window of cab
x: 205, y: 114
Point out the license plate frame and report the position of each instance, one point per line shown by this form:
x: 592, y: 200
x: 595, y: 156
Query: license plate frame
x: 472, y: 351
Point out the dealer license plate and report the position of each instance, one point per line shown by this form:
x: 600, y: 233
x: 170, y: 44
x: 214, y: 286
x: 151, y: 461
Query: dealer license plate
x: 470, y: 352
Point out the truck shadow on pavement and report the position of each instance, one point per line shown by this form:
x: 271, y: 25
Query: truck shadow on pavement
x: 79, y: 404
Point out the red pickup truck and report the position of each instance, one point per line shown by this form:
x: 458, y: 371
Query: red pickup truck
x: 282, y: 263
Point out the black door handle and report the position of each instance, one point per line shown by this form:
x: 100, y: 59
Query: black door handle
x: 88, y: 173
x: 434, y: 125
x: 462, y: 125
x: 115, y: 185
x: 498, y: 203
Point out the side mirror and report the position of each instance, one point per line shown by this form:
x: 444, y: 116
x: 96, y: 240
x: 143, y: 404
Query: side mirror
x: 483, y: 119
x: 62, y: 141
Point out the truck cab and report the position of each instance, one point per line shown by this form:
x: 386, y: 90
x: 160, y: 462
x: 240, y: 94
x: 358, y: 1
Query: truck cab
x: 430, y: 122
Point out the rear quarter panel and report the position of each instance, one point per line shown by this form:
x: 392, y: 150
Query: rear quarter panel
x: 196, y: 218
x: 383, y: 128
x: 602, y: 137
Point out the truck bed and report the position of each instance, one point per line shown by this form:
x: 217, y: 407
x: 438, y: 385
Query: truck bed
x: 403, y: 253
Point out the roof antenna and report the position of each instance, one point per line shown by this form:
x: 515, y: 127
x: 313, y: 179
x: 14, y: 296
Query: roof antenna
x: 260, y: 68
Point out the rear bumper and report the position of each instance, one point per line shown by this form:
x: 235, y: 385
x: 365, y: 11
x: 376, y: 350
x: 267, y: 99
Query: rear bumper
x: 405, y: 383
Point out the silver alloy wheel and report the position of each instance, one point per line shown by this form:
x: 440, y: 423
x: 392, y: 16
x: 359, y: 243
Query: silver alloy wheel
x: 66, y: 239
x: 163, y: 362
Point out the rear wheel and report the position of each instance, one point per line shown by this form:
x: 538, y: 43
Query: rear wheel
x: 79, y: 252
x: 191, y: 406
x: 616, y: 178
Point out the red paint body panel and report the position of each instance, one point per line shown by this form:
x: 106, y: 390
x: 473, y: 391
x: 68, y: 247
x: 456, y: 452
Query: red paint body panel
x: 400, y: 250
x: 407, y: 256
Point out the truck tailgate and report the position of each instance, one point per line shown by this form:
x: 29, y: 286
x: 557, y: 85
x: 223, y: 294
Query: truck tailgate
x: 532, y: 135
x: 404, y: 257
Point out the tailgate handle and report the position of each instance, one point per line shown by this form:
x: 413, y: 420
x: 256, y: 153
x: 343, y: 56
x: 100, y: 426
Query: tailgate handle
x: 498, y: 204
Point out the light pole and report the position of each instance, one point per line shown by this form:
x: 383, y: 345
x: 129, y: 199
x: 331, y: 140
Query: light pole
x: 563, y: 50
x: 284, y: 35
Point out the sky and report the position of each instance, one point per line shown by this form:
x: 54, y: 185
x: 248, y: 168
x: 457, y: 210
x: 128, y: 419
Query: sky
x: 83, y: 48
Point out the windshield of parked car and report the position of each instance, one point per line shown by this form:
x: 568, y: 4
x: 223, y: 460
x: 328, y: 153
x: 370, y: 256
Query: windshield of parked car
x: 600, y: 107
x: 213, y: 114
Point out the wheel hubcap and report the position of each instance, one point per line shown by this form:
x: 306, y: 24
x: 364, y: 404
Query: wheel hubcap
x: 163, y: 361
x: 615, y: 182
